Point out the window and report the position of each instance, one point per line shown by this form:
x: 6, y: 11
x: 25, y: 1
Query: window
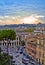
x: 43, y: 55
x: 42, y: 61
x: 39, y: 54
x: 41, y: 42
x: 37, y: 41
x: 17, y: 38
x: 17, y: 42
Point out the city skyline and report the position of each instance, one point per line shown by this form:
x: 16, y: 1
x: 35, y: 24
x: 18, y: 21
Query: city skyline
x: 22, y: 11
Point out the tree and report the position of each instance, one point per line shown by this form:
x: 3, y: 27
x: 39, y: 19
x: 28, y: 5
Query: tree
x: 7, y: 34
x: 29, y: 30
x: 4, y: 59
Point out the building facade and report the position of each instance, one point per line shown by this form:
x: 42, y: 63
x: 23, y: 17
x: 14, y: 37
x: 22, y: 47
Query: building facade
x: 31, y: 49
x: 41, y: 48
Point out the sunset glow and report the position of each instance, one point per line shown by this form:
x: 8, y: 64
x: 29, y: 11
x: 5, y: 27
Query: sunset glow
x: 30, y: 20
x: 22, y: 11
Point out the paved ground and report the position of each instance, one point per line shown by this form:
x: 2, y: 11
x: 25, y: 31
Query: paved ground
x: 17, y: 57
x: 14, y: 52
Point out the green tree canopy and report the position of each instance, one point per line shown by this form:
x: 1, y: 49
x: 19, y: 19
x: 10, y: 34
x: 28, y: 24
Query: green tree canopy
x: 7, y: 34
x: 4, y: 59
x: 29, y: 30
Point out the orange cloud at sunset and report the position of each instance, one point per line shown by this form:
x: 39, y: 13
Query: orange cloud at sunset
x: 32, y: 19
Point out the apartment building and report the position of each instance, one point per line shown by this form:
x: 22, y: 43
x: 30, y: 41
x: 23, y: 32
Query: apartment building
x: 40, y: 55
x: 31, y: 48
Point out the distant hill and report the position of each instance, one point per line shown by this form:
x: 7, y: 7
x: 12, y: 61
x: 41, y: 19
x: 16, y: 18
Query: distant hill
x: 21, y: 25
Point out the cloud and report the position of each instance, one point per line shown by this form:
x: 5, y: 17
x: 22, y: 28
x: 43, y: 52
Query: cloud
x: 32, y: 19
x: 9, y: 17
x: 6, y: 20
x: 40, y: 16
x: 37, y: 16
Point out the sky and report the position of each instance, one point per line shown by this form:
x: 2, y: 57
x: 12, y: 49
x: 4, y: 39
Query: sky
x: 22, y: 11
